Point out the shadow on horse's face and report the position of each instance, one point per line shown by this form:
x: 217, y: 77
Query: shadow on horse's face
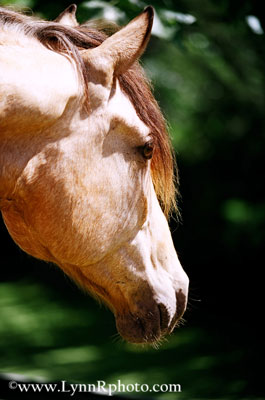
x: 76, y: 179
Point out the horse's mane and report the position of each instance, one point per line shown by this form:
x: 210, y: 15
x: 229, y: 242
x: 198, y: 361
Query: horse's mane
x: 64, y: 39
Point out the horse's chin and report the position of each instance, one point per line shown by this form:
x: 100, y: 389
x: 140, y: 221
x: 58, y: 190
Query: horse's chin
x: 150, y: 327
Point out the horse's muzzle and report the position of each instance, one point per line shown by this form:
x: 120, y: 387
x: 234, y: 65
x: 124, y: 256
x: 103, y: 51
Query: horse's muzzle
x: 152, y: 324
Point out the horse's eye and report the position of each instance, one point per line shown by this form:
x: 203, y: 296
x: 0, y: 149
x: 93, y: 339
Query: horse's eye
x: 147, y: 150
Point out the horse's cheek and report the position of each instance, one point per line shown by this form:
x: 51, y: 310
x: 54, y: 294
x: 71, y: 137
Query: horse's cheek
x: 24, y: 237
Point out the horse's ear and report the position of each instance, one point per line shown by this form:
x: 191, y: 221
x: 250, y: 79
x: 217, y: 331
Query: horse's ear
x: 118, y: 52
x: 67, y: 17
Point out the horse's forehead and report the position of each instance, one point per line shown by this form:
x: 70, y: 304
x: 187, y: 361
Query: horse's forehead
x: 33, y: 76
x: 27, y: 49
x: 14, y: 35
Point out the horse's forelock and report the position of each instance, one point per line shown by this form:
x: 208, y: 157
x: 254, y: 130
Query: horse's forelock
x: 64, y: 39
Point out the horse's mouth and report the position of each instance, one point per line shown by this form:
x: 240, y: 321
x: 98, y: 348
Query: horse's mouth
x: 151, y: 326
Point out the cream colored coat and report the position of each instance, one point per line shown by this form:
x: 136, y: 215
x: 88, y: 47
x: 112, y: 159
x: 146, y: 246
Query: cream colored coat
x: 75, y: 188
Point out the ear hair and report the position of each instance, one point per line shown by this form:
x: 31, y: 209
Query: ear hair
x: 118, y: 52
x: 67, y: 17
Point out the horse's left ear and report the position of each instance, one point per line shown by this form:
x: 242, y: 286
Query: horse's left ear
x: 67, y: 17
x: 118, y: 52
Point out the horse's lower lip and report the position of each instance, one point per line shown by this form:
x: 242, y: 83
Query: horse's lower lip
x: 144, y: 329
x: 142, y: 326
x: 153, y: 324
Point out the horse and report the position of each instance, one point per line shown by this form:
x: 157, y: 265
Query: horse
x: 87, y: 176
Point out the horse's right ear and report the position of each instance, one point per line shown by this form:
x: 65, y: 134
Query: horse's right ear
x: 67, y: 17
x: 119, y: 51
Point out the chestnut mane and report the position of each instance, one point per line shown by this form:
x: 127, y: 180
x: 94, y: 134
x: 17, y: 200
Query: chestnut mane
x: 68, y: 40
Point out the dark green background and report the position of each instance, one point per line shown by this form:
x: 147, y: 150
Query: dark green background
x: 208, y: 77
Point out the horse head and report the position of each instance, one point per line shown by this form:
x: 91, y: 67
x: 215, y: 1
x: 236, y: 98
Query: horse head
x: 86, y: 168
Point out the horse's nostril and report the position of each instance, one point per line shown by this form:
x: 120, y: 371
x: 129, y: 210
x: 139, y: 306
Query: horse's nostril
x: 181, y: 304
x: 164, y: 317
x: 181, y: 301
